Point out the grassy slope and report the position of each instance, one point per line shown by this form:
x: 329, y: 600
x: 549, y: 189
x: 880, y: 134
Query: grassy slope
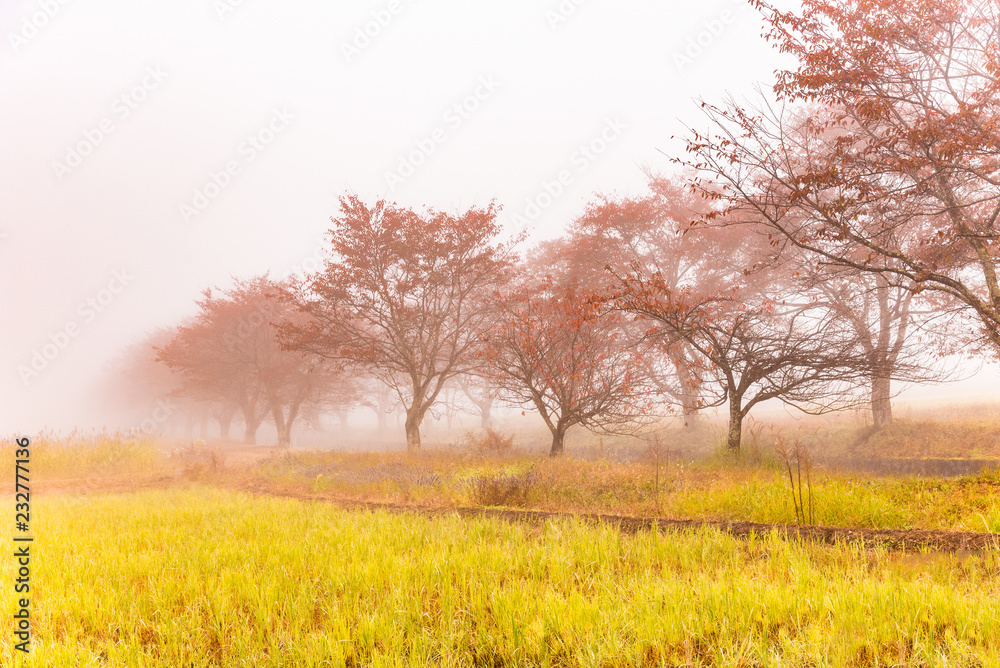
x: 201, y: 577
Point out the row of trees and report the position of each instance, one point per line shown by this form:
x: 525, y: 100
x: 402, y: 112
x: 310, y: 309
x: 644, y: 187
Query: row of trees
x: 819, y: 246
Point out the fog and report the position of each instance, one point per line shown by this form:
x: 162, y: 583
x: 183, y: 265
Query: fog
x: 153, y: 150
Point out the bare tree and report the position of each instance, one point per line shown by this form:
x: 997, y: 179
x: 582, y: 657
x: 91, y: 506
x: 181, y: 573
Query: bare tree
x: 753, y: 348
x: 478, y: 390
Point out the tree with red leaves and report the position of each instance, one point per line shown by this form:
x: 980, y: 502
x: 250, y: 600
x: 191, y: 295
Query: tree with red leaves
x: 649, y: 232
x: 567, y: 357
x: 403, y: 297
x: 881, y: 153
x: 153, y: 398
x: 230, y: 352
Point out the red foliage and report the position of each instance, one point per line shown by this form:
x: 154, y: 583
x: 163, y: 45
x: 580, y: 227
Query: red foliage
x: 402, y: 297
x: 884, y: 153
x: 567, y: 357
x: 230, y: 353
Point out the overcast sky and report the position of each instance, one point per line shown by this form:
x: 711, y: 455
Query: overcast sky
x: 152, y: 149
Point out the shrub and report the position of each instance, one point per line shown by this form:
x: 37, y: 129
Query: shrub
x: 505, y: 489
x: 197, y: 459
x: 489, y: 442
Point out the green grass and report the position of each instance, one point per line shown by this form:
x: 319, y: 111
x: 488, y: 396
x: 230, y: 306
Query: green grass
x: 201, y: 577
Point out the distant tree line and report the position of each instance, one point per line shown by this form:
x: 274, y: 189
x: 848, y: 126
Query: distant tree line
x: 817, y: 247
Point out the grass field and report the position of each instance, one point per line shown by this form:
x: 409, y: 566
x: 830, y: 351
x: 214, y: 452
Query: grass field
x: 149, y: 554
x: 196, y: 576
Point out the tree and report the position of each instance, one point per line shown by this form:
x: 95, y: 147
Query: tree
x: 381, y: 399
x: 230, y: 352
x: 148, y: 394
x: 200, y: 354
x: 753, y: 347
x: 882, y: 151
x: 555, y: 350
x: 403, y: 296
x: 884, y: 319
x: 649, y: 231
x: 477, y: 389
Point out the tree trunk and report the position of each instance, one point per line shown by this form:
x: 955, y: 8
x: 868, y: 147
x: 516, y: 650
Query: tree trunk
x: 225, y: 423
x: 881, y: 401
x: 412, y: 427
x: 285, y: 435
x: 281, y: 425
x: 250, y: 434
x: 487, y: 413
x: 383, y: 423
x: 735, y: 424
x: 690, y: 418
x: 248, y: 406
x: 689, y: 391
x: 881, y: 378
x: 558, y: 441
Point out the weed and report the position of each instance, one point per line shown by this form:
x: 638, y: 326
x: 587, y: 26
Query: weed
x: 795, y: 455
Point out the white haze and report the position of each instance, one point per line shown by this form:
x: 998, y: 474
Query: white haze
x: 212, y: 72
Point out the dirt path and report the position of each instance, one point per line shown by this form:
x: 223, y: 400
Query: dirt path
x: 893, y: 539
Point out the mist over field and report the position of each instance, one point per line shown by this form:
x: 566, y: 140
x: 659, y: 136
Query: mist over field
x: 179, y: 89
x: 123, y: 120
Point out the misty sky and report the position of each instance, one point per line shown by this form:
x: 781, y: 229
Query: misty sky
x: 152, y: 149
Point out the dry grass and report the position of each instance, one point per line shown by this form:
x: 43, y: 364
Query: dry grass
x: 719, y: 488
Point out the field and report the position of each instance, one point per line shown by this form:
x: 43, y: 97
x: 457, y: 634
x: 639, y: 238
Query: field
x: 186, y: 555
x: 198, y: 576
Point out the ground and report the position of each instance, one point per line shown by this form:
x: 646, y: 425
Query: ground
x: 206, y: 554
